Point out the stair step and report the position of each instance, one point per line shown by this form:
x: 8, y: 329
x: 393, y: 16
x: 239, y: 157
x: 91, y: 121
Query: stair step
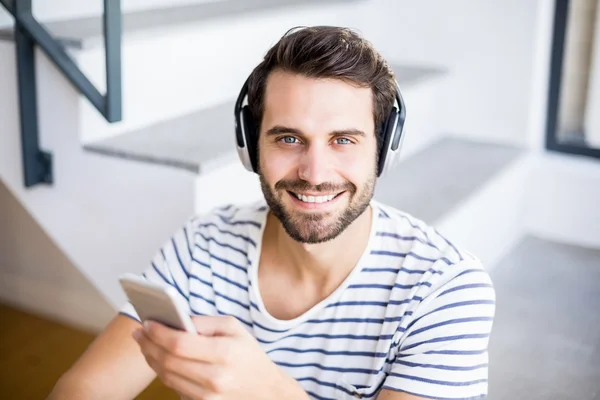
x: 547, y: 327
x: 87, y: 32
x: 203, y: 140
x: 433, y: 181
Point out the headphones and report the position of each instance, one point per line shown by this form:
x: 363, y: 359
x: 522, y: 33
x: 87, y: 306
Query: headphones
x: 247, y: 135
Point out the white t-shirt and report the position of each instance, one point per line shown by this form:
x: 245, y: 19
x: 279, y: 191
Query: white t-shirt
x: 414, y: 315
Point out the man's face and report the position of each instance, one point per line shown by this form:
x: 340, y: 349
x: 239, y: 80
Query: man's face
x: 317, y: 162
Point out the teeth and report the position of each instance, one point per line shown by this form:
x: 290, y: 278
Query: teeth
x: 314, y: 199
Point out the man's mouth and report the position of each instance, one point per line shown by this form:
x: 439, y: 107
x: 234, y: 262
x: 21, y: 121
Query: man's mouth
x: 311, y: 198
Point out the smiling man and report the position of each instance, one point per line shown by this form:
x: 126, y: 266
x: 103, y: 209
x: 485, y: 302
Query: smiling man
x: 319, y: 291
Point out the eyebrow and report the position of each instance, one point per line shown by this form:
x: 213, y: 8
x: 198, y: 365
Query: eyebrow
x: 278, y: 130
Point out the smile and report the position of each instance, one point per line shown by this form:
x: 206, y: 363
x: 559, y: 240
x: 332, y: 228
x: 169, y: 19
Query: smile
x: 315, y: 199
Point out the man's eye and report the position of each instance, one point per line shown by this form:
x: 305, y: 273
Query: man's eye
x: 289, y: 139
x: 343, y: 140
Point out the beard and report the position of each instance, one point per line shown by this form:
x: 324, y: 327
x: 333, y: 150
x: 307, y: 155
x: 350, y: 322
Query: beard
x: 314, y: 226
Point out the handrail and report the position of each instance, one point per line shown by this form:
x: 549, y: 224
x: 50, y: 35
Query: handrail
x: 37, y: 163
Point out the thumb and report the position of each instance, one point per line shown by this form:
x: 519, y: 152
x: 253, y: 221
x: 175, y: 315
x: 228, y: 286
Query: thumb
x: 222, y: 325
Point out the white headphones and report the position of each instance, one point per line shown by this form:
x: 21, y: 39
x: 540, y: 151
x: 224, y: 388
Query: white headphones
x: 247, y: 135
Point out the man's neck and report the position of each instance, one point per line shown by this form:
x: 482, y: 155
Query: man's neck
x: 327, y: 263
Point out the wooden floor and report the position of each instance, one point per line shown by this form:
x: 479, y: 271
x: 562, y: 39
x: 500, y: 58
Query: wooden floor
x: 35, y: 352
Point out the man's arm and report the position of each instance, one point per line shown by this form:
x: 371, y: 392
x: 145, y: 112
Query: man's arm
x: 113, y: 367
x: 392, y: 395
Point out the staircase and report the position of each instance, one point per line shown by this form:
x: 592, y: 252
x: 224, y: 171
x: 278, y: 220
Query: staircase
x: 122, y: 189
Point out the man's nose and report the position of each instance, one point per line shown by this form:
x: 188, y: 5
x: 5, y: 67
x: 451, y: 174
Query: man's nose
x: 315, y: 164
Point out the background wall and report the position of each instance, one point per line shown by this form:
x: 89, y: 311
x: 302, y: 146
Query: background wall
x: 64, y: 9
x: 487, y: 47
x: 39, y: 277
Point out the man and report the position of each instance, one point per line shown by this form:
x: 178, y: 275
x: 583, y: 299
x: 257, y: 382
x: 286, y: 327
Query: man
x: 322, y: 292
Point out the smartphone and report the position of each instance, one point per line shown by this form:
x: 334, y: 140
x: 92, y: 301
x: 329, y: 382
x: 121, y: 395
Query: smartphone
x: 156, y: 302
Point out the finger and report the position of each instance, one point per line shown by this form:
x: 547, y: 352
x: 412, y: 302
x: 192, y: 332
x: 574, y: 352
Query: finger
x: 184, y: 387
x: 222, y: 325
x: 166, y: 364
x: 210, y: 349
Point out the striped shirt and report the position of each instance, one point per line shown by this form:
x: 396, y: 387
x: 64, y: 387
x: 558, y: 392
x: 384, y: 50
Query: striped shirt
x: 414, y: 315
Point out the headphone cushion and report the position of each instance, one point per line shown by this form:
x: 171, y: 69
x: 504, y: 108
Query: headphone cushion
x: 251, y: 136
x: 388, y: 133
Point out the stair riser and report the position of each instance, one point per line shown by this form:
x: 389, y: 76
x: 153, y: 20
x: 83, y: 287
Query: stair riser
x: 490, y: 222
x: 168, y: 73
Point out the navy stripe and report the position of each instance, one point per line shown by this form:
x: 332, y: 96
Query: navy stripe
x: 178, y: 257
x: 324, y: 368
x: 243, y: 321
x: 317, y: 397
x: 425, y: 396
x: 384, y: 213
x: 223, y: 260
x: 328, y: 336
x: 463, y: 303
x: 438, y: 382
x: 223, y: 278
x: 199, y: 296
x: 457, y: 352
x: 450, y: 322
x: 174, y: 283
x: 442, y: 367
x: 206, y: 283
x: 187, y: 242
x: 406, y: 238
x: 343, y: 389
x: 210, y: 239
x: 216, y: 275
x: 405, y: 270
x: 253, y: 305
x: 450, y: 244
x: 341, y: 320
x: 452, y: 305
x: 388, y: 287
x: 322, y: 383
x: 330, y: 353
x: 468, y: 286
x: 218, y: 228
x: 447, y: 338
x: 241, y: 222
x: 358, y: 303
x: 409, y: 254
x: 410, y: 222
x: 264, y: 328
x: 232, y: 300
x: 375, y: 303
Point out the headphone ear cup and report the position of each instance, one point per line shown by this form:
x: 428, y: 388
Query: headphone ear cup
x: 250, y: 137
x: 387, y: 130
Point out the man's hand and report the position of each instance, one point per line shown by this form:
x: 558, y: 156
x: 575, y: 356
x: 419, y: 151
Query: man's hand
x: 223, y: 361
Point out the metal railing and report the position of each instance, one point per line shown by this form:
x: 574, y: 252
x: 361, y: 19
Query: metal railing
x: 37, y: 163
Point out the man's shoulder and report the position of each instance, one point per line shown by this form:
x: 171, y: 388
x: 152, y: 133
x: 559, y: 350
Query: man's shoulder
x: 416, y: 237
x: 421, y: 253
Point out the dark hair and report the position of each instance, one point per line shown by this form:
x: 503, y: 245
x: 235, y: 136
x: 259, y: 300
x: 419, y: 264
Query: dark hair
x: 326, y: 52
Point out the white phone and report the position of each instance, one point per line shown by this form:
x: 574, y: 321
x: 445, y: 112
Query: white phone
x: 156, y: 302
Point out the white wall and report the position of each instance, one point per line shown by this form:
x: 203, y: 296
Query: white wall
x: 38, y: 277
x: 487, y: 45
x: 66, y: 9
x: 592, y: 123
x: 170, y: 73
x: 108, y: 216
x: 563, y: 199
